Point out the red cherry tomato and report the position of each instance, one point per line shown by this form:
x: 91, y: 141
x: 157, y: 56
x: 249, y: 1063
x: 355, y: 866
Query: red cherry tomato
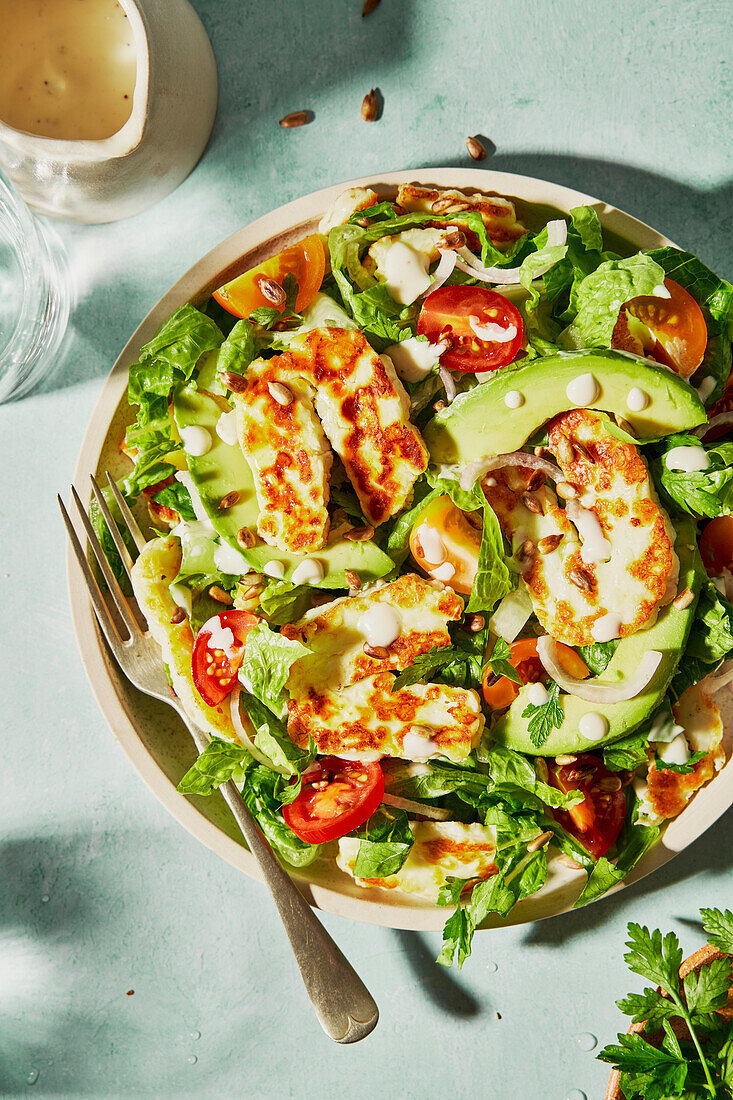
x: 484, y: 329
x: 716, y: 545
x: 215, y: 666
x: 671, y: 330
x: 523, y: 656
x: 597, y: 820
x: 336, y: 797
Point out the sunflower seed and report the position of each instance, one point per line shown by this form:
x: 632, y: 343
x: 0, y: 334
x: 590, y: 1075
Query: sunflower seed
x: 376, y: 651
x: 474, y: 623
x: 271, y: 290
x: 245, y: 538
x: 178, y: 616
x: 561, y: 760
x: 540, y: 841
x: 370, y: 106
x: 580, y: 579
x: 229, y: 500
x: 220, y: 595
x: 295, y: 118
x: 581, y: 451
x: 525, y: 551
x: 438, y: 406
x: 359, y: 534
x: 237, y: 383
x: 533, y: 504
x: 611, y: 783
x: 564, y: 451
x: 352, y: 579
x: 455, y: 239
x: 476, y: 148
x: 540, y: 766
x: 684, y: 599
x: 280, y: 393
x: 549, y: 543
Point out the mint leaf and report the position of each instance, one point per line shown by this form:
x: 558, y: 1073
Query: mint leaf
x: 386, y: 841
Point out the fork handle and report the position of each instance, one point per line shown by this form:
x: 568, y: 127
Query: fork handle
x: 344, y: 1006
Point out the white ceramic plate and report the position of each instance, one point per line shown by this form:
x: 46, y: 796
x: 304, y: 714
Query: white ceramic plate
x: 151, y: 734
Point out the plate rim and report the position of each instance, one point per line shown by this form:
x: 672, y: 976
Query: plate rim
x: 101, y: 669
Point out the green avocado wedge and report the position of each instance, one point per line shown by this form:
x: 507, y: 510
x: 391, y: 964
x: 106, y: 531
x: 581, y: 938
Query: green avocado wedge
x: 479, y: 423
x: 668, y: 635
x: 224, y: 469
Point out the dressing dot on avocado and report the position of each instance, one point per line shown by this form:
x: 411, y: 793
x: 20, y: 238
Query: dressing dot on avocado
x: 514, y: 399
x: 537, y: 694
x: 226, y: 428
x: 583, y: 390
x: 309, y: 571
x: 196, y: 440
x: 637, y: 400
x: 593, y: 726
x: 274, y: 568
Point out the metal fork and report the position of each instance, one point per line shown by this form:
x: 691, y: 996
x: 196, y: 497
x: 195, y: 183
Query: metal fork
x: 344, y: 1006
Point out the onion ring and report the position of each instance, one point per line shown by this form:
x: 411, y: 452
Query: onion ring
x: 437, y: 813
x: 596, y: 690
x: 557, y: 234
x: 474, y: 470
x: 724, y: 418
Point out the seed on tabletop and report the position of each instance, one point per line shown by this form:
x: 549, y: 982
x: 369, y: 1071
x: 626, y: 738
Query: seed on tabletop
x: 369, y: 6
x: 295, y: 118
x: 370, y: 106
x: 476, y: 148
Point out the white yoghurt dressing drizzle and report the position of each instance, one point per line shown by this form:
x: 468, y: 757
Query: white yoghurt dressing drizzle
x: 687, y: 459
x: 637, y: 400
x: 583, y: 390
x: 414, y: 359
x: 406, y: 273
x: 274, y: 569
x: 184, y: 477
x: 418, y: 743
x: 196, y: 440
x: 222, y: 637
x: 309, y: 571
x: 490, y: 331
x: 432, y: 544
x: 443, y: 572
x: 537, y: 694
x: 596, y: 547
x: 380, y: 625
x: 606, y: 628
x: 676, y: 751
x: 593, y: 726
x: 514, y: 399
x: 229, y: 560
x: 226, y: 428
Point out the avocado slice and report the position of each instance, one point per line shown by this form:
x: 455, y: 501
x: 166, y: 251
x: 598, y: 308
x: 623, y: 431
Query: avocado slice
x: 668, y: 635
x: 224, y: 469
x: 479, y: 423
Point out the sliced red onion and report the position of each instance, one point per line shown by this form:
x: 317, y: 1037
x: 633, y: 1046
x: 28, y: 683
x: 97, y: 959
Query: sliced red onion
x: 596, y: 690
x: 443, y: 271
x: 245, y: 738
x: 557, y: 234
x: 724, y: 419
x: 437, y: 813
x: 448, y: 382
x: 473, y: 470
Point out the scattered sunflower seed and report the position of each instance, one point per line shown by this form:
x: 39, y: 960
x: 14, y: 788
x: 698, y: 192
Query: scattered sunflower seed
x: 229, y: 500
x: 580, y: 579
x: 540, y: 841
x: 295, y: 118
x: 370, y: 106
x: 280, y: 393
x: 549, y: 543
x: 220, y: 595
x: 245, y: 538
x: 352, y: 579
x: 561, y: 760
x: 474, y: 623
x: 611, y: 783
x: 359, y: 534
x: 178, y: 616
x: 476, y: 148
x: 377, y: 651
x: 684, y: 599
x: 237, y: 383
x: 532, y: 503
x: 582, y: 451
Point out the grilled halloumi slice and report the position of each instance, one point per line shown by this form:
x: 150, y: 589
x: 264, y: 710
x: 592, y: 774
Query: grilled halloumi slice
x: 365, y: 413
x: 601, y: 567
x: 665, y: 793
x: 289, y: 457
x: 440, y: 850
x: 497, y: 213
x: 342, y: 697
x: 334, y: 633
x: 346, y: 204
x: 155, y: 569
x: 367, y: 720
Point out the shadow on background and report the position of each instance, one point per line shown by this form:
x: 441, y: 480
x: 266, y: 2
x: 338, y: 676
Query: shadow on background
x: 437, y: 982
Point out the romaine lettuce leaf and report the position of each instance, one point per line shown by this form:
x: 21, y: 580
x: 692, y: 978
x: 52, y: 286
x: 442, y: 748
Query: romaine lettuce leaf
x: 698, y: 492
x: 238, y: 350
x: 266, y: 664
x: 386, y: 840
x: 219, y: 762
x: 601, y: 294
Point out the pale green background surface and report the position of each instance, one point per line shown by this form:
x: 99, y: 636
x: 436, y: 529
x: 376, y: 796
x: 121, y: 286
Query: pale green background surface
x: 100, y: 890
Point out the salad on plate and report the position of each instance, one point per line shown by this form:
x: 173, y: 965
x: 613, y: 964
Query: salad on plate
x: 442, y: 544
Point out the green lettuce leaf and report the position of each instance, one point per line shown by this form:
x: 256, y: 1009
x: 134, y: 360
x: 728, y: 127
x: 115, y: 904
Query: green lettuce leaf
x: 268, y: 657
x: 634, y: 842
x: 600, y: 295
x: 283, y: 602
x: 238, y: 350
x: 271, y: 737
x: 219, y: 762
x: 700, y: 492
x: 386, y: 840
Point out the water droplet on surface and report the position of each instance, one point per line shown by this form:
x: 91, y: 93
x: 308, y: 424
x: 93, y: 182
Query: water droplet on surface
x: 492, y: 967
x: 576, y: 1094
x: 586, y: 1041
x: 45, y: 898
x: 195, y: 1034
x: 32, y: 1077
x: 193, y: 1060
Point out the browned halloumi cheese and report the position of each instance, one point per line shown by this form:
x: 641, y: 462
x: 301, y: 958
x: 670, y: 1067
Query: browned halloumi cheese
x: 497, y: 213
x: 365, y: 413
x: 342, y: 697
x: 610, y: 556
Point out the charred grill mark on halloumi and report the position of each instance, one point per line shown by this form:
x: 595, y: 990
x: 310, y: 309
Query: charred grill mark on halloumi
x: 364, y: 411
x: 569, y: 593
x: 342, y: 697
x: 497, y: 213
x: 440, y: 850
x: 289, y: 457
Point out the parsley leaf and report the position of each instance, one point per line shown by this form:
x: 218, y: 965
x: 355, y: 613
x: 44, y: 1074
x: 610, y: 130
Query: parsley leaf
x: 680, y: 769
x: 500, y: 664
x: 545, y: 717
x: 449, y: 658
x: 719, y: 927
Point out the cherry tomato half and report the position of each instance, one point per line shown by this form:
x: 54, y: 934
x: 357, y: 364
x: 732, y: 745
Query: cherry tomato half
x: 716, y: 545
x: 597, y: 820
x: 336, y: 797
x: 484, y: 329
x: 305, y: 260
x: 501, y: 693
x: 448, y: 535
x: 671, y: 330
x: 218, y: 652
